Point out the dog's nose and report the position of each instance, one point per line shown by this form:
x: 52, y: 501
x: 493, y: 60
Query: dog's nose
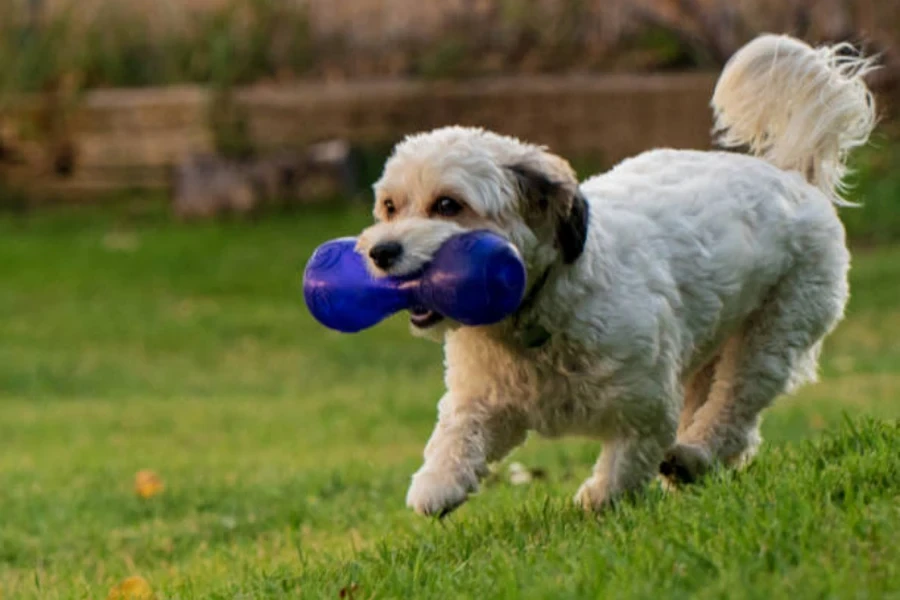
x: 385, y: 254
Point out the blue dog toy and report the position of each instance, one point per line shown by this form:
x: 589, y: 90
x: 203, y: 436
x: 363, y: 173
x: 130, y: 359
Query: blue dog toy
x: 475, y: 278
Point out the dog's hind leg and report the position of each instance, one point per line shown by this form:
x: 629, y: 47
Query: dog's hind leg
x: 775, y: 351
x: 696, y: 392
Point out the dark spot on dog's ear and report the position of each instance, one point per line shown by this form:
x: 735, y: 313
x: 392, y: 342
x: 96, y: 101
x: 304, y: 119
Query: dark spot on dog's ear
x: 559, y: 200
x: 536, y: 187
x: 571, y: 230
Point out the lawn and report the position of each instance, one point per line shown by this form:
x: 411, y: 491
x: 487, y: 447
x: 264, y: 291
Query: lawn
x: 129, y: 343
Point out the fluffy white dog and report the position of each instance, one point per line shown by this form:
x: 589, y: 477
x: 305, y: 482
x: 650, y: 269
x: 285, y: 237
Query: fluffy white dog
x: 670, y: 300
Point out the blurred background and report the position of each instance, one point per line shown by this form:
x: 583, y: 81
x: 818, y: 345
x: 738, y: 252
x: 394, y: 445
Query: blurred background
x: 220, y: 103
x: 168, y: 166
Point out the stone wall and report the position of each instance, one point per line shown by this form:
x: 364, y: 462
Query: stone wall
x: 613, y: 116
x: 130, y: 139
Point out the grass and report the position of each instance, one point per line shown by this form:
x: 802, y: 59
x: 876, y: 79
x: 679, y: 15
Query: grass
x: 875, y: 184
x: 128, y: 342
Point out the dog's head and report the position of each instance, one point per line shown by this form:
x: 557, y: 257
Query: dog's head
x: 455, y: 179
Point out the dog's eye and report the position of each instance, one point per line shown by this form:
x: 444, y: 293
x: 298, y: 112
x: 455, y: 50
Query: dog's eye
x: 446, y: 207
x: 389, y: 207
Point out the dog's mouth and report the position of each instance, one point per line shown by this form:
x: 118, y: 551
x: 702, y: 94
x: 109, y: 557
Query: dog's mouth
x: 423, y: 318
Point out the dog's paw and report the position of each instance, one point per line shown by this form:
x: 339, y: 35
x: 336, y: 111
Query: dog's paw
x: 666, y: 484
x: 685, y: 463
x: 593, y: 495
x: 437, y: 493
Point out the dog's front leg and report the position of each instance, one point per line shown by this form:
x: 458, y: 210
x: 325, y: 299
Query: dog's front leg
x: 469, y: 435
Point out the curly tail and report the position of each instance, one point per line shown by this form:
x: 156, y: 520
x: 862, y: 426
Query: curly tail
x: 800, y: 108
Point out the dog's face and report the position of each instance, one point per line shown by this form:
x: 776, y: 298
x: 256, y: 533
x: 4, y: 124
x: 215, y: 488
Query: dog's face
x: 448, y: 181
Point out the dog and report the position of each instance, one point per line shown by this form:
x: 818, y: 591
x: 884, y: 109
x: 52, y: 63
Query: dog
x: 670, y: 300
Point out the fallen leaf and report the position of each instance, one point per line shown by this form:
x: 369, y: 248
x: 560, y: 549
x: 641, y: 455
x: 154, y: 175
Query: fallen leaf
x: 817, y: 421
x: 132, y: 588
x: 147, y: 484
x: 120, y: 241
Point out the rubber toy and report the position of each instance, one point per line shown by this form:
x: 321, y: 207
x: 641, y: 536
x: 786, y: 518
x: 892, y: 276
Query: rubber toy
x: 475, y: 278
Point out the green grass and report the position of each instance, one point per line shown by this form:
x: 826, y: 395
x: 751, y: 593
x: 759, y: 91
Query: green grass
x: 127, y: 342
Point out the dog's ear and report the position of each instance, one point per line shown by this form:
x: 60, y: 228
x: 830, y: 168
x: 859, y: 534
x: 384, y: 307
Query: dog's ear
x: 561, y: 202
x: 571, y: 231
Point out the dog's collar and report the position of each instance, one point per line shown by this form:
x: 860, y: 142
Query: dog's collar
x: 532, y: 334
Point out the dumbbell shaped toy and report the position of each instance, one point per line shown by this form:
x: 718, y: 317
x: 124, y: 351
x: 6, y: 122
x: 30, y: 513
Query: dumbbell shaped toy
x: 474, y: 278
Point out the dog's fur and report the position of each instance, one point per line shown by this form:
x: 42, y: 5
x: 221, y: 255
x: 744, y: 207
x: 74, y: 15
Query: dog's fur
x: 678, y: 294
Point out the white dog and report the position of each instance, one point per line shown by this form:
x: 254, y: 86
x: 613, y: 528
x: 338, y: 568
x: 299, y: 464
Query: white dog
x: 670, y: 300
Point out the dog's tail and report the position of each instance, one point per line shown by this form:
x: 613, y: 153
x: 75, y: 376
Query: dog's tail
x: 799, y: 108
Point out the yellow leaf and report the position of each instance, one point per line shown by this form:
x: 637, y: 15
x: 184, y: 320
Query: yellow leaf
x: 147, y: 484
x: 132, y: 588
